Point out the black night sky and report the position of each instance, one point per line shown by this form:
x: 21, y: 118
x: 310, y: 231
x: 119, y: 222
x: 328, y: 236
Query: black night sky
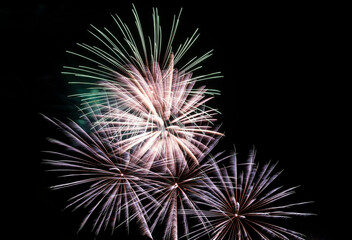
x: 283, y: 92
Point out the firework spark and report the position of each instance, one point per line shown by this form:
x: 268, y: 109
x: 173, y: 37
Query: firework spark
x: 241, y: 205
x: 112, y: 186
x: 149, y: 103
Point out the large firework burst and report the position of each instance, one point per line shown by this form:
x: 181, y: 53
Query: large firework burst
x: 241, y: 204
x: 112, y: 186
x: 152, y: 106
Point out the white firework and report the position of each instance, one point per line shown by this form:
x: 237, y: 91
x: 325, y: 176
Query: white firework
x: 152, y: 106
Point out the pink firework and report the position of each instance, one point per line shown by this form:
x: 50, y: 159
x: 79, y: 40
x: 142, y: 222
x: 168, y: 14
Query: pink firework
x: 152, y: 107
x: 159, y: 116
x: 112, y: 187
x: 241, y: 204
x: 175, y: 193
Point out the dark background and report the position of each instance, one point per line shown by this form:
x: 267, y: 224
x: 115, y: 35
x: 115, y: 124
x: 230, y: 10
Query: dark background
x: 283, y: 92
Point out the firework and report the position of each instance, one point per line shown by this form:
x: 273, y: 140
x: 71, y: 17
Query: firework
x: 145, y: 154
x: 241, y: 205
x: 175, y: 193
x: 149, y: 103
x: 111, y: 186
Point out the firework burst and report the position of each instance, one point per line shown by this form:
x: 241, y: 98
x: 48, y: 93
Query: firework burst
x: 177, y: 192
x: 242, y: 205
x: 149, y: 104
x: 112, y: 186
x: 146, y: 154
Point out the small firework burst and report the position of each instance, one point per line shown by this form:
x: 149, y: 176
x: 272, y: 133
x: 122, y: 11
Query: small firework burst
x: 148, y: 102
x: 241, y: 205
x: 177, y: 191
x: 112, y: 186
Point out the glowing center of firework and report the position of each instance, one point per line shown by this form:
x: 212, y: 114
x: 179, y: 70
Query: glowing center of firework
x: 238, y: 216
x: 175, y: 186
x: 166, y: 127
x: 121, y: 174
